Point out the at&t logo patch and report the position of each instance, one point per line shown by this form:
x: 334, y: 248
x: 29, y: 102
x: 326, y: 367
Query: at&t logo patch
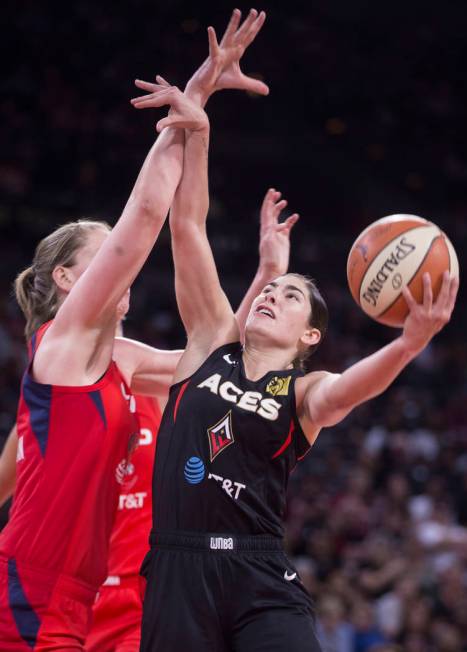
x: 194, y: 470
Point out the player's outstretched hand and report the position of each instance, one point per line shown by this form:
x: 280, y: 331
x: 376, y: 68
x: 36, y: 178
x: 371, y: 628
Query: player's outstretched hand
x: 274, y: 243
x: 221, y: 70
x: 428, y: 318
x: 183, y: 114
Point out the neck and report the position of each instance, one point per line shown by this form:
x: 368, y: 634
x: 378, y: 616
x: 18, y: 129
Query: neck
x: 258, y: 361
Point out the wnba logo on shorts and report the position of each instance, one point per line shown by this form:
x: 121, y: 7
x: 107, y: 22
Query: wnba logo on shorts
x: 221, y: 543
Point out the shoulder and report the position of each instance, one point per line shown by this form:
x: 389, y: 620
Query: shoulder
x: 309, y: 382
x: 305, y: 387
x: 195, y: 359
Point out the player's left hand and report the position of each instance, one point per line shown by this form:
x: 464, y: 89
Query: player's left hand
x: 183, y: 114
x: 428, y: 318
x: 221, y: 70
x: 274, y: 243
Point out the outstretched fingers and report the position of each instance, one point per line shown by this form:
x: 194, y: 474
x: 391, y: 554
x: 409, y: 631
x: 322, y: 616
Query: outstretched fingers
x: 160, y: 80
x: 427, y: 292
x: 149, y: 86
x: 159, y: 98
x: 254, y: 29
x: 232, y: 27
x: 254, y: 85
x: 289, y: 223
x: 408, y: 296
x: 243, y: 31
x: 447, y: 296
x: 453, y: 289
x: 266, y: 212
x: 213, y: 44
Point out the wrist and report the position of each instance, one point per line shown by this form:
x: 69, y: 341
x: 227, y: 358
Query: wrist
x: 268, y: 271
x: 409, y: 347
x: 200, y: 130
x: 197, y: 94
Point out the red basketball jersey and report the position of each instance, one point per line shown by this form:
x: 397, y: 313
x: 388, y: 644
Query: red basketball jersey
x: 129, y: 541
x: 73, y: 448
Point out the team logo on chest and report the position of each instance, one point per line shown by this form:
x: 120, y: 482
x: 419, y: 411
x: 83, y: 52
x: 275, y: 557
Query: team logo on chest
x: 278, y: 386
x: 220, y: 435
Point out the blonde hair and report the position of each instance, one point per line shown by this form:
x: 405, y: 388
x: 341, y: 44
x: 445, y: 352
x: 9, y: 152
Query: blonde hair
x: 35, y: 288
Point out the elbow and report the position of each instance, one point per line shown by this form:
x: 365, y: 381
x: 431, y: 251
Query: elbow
x: 147, y: 211
x: 147, y: 208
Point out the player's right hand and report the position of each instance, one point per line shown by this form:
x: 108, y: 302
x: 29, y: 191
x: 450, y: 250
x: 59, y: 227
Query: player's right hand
x: 429, y: 317
x: 221, y: 70
x: 183, y: 114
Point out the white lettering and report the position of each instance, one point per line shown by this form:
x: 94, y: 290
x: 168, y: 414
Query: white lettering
x: 221, y: 543
x: 249, y: 401
x: 212, y: 383
x: 228, y: 485
x: 269, y: 409
x: 239, y: 486
x: 130, y: 398
x: 146, y: 437
x: 224, y: 392
x: 132, y: 501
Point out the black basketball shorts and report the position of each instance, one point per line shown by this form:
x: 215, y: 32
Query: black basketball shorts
x: 223, y: 593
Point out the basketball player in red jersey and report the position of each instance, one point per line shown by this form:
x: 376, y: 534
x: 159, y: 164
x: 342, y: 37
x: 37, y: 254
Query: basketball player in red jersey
x: 237, y: 421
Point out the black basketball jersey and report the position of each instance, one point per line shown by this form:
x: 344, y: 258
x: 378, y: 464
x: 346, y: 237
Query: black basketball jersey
x: 225, y: 449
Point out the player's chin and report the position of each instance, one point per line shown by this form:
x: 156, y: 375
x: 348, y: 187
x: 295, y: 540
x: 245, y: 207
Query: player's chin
x: 260, y: 324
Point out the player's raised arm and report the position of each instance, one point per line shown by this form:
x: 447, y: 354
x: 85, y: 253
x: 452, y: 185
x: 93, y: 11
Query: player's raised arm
x: 325, y: 399
x: 91, y: 300
x: 274, y: 250
x: 111, y: 272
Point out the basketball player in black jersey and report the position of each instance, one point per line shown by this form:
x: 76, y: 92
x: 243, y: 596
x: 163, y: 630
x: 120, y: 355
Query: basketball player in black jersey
x: 238, y: 419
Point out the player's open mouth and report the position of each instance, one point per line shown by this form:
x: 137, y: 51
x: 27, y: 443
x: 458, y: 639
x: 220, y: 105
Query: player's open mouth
x: 264, y: 310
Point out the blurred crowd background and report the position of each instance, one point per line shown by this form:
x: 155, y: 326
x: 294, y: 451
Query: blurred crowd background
x: 366, y: 117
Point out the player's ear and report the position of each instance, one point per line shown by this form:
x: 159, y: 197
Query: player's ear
x: 63, y: 278
x: 311, y: 337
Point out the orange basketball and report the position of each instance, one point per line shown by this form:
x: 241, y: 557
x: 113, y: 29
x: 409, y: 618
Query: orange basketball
x: 391, y: 253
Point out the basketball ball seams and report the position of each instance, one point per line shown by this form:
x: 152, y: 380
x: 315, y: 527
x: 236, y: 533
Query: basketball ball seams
x: 369, y: 272
x: 427, y: 253
x: 392, y: 253
x: 453, y: 260
x: 412, y: 224
x: 386, y: 246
